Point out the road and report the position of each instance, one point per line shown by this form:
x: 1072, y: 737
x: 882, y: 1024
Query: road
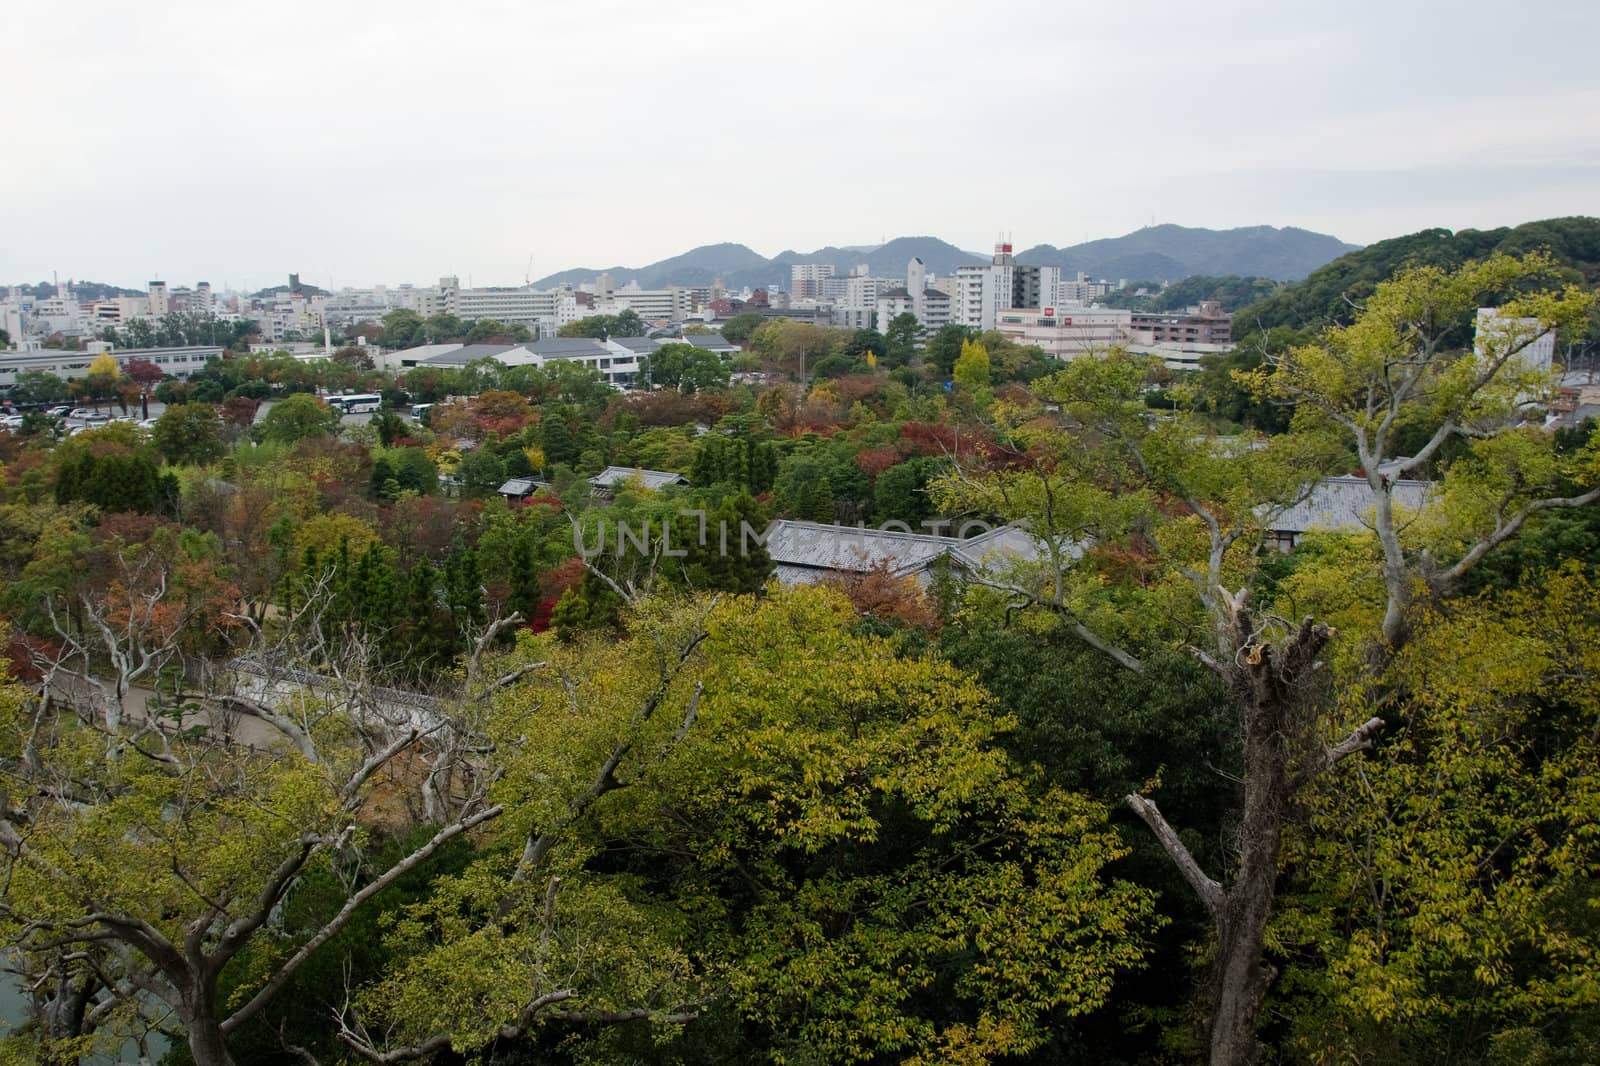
x: 239, y: 729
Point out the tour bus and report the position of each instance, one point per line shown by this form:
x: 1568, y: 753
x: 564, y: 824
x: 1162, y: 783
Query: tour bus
x: 359, y: 403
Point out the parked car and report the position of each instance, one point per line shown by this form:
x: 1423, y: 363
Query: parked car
x: 60, y: 411
x: 84, y: 412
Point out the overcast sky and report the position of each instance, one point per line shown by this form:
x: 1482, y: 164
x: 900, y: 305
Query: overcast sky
x: 389, y: 142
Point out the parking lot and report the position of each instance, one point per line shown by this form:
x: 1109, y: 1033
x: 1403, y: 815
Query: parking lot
x: 78, y: 418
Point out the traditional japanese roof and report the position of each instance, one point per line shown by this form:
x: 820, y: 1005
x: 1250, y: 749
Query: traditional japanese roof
x: 807, y: 551
x: 651, y: 479
x: 1345, y: 504
x: 521, y: 486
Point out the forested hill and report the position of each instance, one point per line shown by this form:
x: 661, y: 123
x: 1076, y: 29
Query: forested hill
x: 1327, y: 295
x: 85, y: 290
x: 1231, y: 290
x: 1168, y: 253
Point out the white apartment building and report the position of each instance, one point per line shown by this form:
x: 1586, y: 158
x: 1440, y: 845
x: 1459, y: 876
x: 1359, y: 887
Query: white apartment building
x: 521, y: 306
x: 979, y: 293
x: 834, y: 290
x: 805, y: 280
x: 199, y: 299
x: 892, y: 303
x: 1494, y: 333
x: 975, y: 295
x: 160, y: 302
x: 1079, y: 290
x: 862, y: 291
x: 672, y: 304
x: 932, y: 308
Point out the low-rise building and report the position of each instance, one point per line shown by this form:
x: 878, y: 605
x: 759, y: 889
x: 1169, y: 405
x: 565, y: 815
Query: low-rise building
x: 520, y: 488
x: 620, y: 368
x: 1341, y: 505
x: 713, y: 342
x: 1068, y: 332
x: 1179, y: 355
x: 1206, y: 323
x: 174, y: 362
x: 808, y: 552
x: 607, y: 481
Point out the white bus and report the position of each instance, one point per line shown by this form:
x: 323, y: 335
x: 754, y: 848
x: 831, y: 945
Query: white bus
x: 358, y: 403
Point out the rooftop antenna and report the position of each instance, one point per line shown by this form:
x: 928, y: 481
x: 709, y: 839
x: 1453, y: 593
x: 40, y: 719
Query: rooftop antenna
x: 527, y: 275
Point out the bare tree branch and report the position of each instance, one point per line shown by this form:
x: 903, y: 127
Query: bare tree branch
x: 1209, y: 891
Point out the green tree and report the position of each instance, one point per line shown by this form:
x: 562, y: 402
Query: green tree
x: 944, y: 347
x: 737, y: 330
x: 900, y: 339
x: 760, y: 773
x: 414, y: 471
x: 443, y: 327
x: 1391, y: 375
x: 403, y: 328
x: 488, y: 329
x: 189, y: 434
x: 901, y: 492
x: 600, y: 327
x: 687, y: 368
x: 298, y: 417
x: 556, y: 439
x: 37, y: 386
x: 114, y: 471
x: 481, y: 472
x: 1440, y: 905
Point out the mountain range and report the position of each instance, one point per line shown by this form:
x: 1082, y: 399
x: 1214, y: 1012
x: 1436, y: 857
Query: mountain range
x: 1154, y: 253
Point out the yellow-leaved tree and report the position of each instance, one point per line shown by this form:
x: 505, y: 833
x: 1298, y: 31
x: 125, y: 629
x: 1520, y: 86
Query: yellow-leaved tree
x: 748, y: 814
x: 1442, y: 907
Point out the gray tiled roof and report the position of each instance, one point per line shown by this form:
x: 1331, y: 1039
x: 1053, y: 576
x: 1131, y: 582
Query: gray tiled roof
x: 1345, y: 504
x: 521, y: 486
x: 651, y: 479
x: 642, y: 345
x: 468, y: 353
x: 567, y: 347
x: 709, y: 340
x: 806, y: 551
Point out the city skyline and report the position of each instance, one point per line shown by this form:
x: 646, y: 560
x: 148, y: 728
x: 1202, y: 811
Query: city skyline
x: 330, y: 142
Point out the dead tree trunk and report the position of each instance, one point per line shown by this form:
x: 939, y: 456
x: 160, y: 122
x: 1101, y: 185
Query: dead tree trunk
x: 1274, y: 688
